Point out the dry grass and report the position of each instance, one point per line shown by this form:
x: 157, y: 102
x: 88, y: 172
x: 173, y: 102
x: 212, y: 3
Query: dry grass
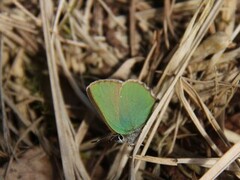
x: 187, y: 52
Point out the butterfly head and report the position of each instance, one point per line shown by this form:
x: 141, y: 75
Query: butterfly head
x: 130, y: 139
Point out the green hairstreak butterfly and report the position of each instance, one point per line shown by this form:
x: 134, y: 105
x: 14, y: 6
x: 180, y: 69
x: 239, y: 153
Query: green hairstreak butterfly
x: 124, y: 106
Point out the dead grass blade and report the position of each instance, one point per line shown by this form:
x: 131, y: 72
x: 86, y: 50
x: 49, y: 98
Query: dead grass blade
x: 204, y: 162
x: 180, y: 93
x: 22, y: 137
x: 72, y: 164
x: 95, y: 46
x: 232, y: 136
x: 232, y: 154
x: 120, y: 161
x: 132, y: 28
x: 146, y: 66
x: 196, y: 98
x: 28, y: 13
x: 6, y: 133
x: 109, y: 11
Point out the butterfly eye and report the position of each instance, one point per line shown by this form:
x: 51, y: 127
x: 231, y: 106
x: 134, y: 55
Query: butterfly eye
x: 120, y: 139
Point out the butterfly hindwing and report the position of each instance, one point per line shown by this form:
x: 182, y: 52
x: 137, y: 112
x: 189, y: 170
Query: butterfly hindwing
x: 136, y: 103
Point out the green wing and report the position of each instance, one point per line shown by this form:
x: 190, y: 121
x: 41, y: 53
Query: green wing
x: 124, y: 107
x: 136, y: 104
x: 105, y: 95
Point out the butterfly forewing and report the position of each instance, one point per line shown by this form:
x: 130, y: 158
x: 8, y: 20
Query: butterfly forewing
x: 104, y: 94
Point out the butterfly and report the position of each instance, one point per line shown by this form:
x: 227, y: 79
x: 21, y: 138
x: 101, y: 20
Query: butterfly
x: 124, y: 106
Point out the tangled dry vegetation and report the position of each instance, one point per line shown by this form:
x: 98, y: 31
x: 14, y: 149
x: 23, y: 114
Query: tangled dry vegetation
x: 186, y: 51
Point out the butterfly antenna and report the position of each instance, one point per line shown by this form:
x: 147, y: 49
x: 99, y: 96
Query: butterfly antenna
x: 103, y: 138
